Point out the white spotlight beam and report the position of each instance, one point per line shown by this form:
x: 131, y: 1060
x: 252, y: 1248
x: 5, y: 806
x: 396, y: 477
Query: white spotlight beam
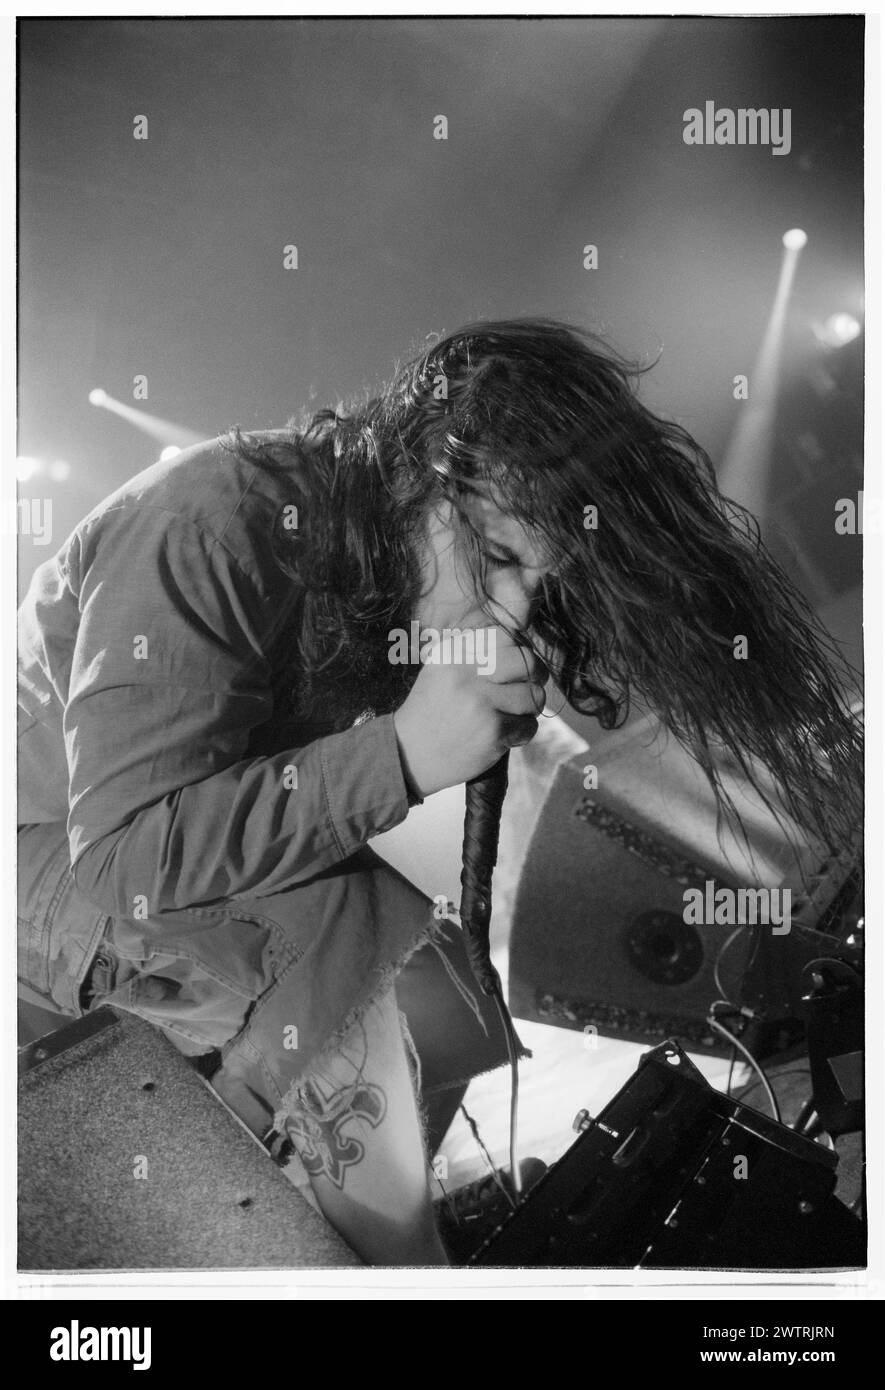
x: 746, y: 466
x: 164, y: 431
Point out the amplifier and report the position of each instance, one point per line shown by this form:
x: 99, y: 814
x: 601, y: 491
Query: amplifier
x: 675, y: 1175
x: 599, y: 938
x: 127, y: 1160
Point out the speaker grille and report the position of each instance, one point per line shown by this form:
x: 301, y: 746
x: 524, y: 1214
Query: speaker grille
x: 599, y: 941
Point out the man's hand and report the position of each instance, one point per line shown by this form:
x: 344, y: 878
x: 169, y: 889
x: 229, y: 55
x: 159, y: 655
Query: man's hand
x: 459, y: 718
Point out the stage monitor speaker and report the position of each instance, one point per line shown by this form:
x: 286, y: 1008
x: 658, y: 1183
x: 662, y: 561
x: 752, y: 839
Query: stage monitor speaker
x: 600, y: 939
x: 674, y: 1175
x: 128, y: 1161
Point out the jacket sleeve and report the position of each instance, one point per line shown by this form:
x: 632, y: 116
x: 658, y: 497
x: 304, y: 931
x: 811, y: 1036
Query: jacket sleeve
x: 168, y: 678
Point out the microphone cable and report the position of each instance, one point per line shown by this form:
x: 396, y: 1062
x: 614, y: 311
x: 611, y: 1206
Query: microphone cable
x: 484, y: 800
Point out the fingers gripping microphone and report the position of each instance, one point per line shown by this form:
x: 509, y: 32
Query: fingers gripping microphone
x: 482, y: 823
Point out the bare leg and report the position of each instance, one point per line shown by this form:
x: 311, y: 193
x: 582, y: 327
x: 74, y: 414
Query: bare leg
x: 359, y: 1136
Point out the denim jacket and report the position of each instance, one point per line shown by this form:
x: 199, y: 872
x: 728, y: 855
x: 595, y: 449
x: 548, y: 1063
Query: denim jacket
x: 146, y: 687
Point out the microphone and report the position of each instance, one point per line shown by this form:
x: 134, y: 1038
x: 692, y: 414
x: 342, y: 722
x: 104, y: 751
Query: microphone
x: 482, y: 822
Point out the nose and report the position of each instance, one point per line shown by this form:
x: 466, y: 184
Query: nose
x: 510, y: 600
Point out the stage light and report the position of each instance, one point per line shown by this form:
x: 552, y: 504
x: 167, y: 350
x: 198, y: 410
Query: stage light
x: 840, y: 329
x: 59, y: 470
x: 169, y: 434
x: 169, y: 452
x: 795, y: 239
x: 744, y: 473
x: 26, y: 467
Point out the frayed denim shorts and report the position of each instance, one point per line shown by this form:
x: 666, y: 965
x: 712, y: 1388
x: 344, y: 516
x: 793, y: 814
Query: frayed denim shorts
x: 271, y: 984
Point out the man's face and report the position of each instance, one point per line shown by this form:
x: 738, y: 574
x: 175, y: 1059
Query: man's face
x: 515, y: 565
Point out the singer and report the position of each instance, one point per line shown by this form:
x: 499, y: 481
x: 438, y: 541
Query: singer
x: 214, y: 724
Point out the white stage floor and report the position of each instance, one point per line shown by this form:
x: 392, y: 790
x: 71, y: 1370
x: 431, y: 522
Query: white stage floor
x: 568, y: 1072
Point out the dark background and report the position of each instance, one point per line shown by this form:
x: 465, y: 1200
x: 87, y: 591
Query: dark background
x: 165, y: 257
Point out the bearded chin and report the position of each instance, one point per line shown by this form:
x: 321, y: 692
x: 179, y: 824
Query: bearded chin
x: 359, y: 683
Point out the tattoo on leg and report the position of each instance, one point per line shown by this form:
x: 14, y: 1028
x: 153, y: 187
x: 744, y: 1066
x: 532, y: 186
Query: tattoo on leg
x: 317, y: 1126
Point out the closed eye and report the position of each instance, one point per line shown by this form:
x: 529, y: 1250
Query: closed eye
x: 507, y: 560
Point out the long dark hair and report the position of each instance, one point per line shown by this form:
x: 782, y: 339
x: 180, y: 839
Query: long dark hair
x: 650, y: 592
